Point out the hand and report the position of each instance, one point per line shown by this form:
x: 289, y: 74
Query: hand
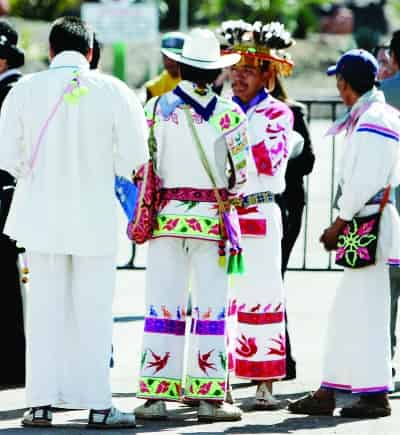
x: 329, y: 237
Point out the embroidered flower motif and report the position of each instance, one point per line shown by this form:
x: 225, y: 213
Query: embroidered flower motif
x: 225, y: 122
x: 352, y: 244
x: 205, y: 388
x: 171, y: 224
x: 363, y: 253
x: 143, y: 387
x: 194, y: 224
x: 162, y: 387
x: 366, y: 227
x: 248, y: 346
x: 214, y: 229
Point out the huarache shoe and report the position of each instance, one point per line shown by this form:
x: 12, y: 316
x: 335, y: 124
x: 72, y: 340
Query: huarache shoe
x: 112, y: 418
x: 210, y: 412
x: 152, y: 410
x: 40, y: 416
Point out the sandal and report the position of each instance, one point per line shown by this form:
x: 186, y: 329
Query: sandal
x: 40, y: 416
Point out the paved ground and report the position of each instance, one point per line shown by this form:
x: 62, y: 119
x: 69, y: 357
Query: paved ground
x: 309, y: 299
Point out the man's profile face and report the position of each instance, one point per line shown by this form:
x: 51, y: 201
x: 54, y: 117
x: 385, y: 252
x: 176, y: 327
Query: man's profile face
x: 343, y: 88
x: 385, y: 68
x: 247, y: 81
x: 171, y: 66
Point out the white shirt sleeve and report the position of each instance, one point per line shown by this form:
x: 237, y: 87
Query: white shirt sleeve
x: 296, y: 144
x: 13, y: 154
x: 130, y: 133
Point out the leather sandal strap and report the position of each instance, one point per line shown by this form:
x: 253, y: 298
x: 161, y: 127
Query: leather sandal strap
x: 103, y: 414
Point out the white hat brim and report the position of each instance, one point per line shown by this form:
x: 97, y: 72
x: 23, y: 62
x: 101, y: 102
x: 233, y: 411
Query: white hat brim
x: 223, y: 62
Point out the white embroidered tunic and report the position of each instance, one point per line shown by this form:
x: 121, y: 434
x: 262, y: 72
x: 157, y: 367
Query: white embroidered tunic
x: 67, y: 204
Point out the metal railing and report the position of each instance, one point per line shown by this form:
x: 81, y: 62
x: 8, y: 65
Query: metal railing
x: 329, y: 113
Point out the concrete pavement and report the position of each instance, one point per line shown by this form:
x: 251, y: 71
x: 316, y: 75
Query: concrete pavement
x: 309, y: 298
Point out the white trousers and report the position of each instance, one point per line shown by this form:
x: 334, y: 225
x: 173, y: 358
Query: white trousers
x: 171, y: 264
x: 69, y: 330
x: 357, y: 356
x: 257, y: 307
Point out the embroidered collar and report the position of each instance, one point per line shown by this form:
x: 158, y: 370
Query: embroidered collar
x: 262, y: 95
x: 203, y: 105
x: 349, y: 120
x: 71, y: 59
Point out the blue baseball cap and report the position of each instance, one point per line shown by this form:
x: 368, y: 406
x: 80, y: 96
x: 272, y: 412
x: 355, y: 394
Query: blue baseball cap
x: 357, y: 64
x: 173, y: 41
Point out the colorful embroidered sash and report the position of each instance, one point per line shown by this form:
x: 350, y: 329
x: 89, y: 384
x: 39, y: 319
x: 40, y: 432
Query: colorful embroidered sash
x: 192, y: 194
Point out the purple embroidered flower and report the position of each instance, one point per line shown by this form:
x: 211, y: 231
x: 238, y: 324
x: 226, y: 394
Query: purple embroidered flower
x: 346, y: 231
x: 340, y: 253
x: 366, y: 227
x: 363, y: 253
x: 144, y: 388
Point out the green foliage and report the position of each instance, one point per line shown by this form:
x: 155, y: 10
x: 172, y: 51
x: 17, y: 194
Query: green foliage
x: 43, y: 9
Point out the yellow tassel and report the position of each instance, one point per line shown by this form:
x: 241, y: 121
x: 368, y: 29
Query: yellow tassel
x: 25, y: 270
x: 222, y: 261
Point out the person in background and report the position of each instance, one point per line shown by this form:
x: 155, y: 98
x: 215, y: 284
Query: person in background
x: 390, y: 86
x: 74, y: 129
x: 357, y: 355
x: 12, y: 363
x: 170, y: 76
x: 187, y: 243
x: 382, y: 54
x: 292, y: 200
x: 257, y: 307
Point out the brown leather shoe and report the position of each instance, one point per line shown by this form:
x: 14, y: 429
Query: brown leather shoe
x: 368, y: 406
x: 311, y: 405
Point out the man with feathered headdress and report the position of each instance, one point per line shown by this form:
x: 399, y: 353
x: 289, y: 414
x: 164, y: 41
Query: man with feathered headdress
x: 258, y: 348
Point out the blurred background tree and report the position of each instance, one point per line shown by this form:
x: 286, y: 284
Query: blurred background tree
x: 46, y: 10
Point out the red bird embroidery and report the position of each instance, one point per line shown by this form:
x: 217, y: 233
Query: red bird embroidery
x: 256, y: 308
x: 158, y: 363
x: 281, y: 349
x: 248, y: 346
x: 203, y: 362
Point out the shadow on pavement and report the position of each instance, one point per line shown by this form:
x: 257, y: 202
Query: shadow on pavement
x: 12, y: 414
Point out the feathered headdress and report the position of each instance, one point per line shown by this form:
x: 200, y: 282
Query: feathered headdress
x: 258, y: 43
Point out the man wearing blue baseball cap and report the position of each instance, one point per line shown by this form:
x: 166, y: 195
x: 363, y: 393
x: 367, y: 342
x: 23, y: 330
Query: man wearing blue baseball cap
x: 357, y: 355
x: 170, y: 76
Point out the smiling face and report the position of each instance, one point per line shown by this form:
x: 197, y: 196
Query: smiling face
x: 247, y: 81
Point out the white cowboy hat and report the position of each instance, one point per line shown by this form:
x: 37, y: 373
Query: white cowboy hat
x: 201, y: 50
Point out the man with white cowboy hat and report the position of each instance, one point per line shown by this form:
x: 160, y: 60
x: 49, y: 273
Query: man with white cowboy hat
x: 202, y: 162
x: 257, y: 306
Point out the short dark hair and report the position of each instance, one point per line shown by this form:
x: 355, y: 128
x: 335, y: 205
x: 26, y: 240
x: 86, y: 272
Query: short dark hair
x: 359, y: 85
x: 197, y: 75
x: 70, y: 33
x: 394, y: 46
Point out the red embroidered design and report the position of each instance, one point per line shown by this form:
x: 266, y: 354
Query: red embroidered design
x: 260, y: 369
x: 260, y: 318
x: 163, y: 387
x: 171, y: 224
x: 158, y: 363
x: 203, y: 362
x: 143, y: 387
x: 253, y: 227
x: 281, y: 350
x: 207, y: 314
x: 225, y: 122
x: 166, y: 314
x: 194, y: 224
x: 205, y: 389
x: 248, y: 346
x: 262, y: 158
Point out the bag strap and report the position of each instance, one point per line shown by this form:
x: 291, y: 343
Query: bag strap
x: 152, y: 141
x: 45, y: 126
x: 385, y: 198
x: 203, y: 157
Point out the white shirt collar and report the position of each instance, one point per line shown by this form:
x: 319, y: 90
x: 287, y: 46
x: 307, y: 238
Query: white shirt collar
x: 69, y: 59
x: 9, y: 72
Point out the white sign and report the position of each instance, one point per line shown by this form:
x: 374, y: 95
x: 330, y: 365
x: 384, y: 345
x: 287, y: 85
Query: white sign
x: 122, y: 22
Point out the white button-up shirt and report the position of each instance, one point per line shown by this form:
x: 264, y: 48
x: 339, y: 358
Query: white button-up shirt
x: 66, y: 204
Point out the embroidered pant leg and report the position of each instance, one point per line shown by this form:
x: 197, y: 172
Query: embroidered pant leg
x: 69, y: 327
x: 260, y: 333
x: 357, y: 356
x: 207, y: 353
x: 167, y: 280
